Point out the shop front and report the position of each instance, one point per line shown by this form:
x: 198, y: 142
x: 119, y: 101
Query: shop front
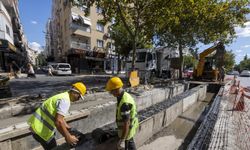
x: 8, y: 53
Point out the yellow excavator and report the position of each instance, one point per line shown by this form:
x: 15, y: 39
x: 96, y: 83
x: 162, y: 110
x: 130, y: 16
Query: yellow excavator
x: 209, y: 65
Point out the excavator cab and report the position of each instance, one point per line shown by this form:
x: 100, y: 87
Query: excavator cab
x: 209, y: 63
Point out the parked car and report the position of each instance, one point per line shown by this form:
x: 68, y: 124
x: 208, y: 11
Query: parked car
x: 188, y: 73
x: 61, y: 69
x: 233, y: 73
x: 245, y: 73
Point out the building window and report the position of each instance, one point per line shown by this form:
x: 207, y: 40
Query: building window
x: 98, y: 10
x: 100, y: 27
x: 100, y: 43
x: 7, y: 30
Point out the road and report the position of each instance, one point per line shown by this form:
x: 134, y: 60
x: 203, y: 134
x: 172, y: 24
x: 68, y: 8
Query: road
x: 48, y: 86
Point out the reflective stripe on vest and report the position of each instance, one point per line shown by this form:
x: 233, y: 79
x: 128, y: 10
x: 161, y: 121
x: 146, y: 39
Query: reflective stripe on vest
x: 42, y: 121
x: 47, y: 113
x: 133, y: 116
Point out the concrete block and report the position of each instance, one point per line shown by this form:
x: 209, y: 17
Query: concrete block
x: 5, y: 112
x: 20, y: 144
x: 167, y: 93
x: 180, y: 89
x: 202, y: 92
x: 158, y: 122
x: 167, y: 117
x: 158, y: 95
x: 188, y: 101
x: 144, y: 101
x: 144, y: 132
x: 5, y: 145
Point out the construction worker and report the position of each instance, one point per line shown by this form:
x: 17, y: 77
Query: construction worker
x: 50, y: 116
x: 126, y: 114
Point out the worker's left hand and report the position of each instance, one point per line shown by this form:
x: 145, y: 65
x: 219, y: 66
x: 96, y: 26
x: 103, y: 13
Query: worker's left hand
x: 121, y: 144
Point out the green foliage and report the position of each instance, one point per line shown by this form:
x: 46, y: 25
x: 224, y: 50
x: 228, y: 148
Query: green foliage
x: 175, y: 23
x: 189, y: 61
x: 245, y: 57
x: 41, y: 60
x: 205, y: 21
x: 229, y: 60
x: 137, y: 17
x: 244, y: 64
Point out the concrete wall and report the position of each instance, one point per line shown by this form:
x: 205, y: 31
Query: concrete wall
x: 157, y: 122
x: 104, y: 114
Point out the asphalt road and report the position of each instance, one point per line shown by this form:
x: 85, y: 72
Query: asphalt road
x: 48, y: 86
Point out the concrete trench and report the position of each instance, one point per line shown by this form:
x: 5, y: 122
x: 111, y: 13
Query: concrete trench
x: 158, y: 108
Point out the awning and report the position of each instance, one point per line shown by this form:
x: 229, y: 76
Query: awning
x: 84, y: 19
x: 6, y: 46
x: 95, y: 58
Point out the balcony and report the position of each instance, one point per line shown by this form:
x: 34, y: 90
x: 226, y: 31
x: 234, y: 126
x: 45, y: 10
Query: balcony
x: 79, y: 45
x: 79, y: 27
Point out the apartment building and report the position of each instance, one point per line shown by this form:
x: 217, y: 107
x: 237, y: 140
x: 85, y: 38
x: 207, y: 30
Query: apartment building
x: 78, y: 39
x: 12, y: 44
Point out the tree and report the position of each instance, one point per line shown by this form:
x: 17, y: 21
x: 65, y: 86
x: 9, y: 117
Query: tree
x: 245, y: 64
x: 189, y: 61
x: 229, y: 60
x: 123, y: 44
x: 245, y: 57
x: 205, y: 21
x: 137, y: 17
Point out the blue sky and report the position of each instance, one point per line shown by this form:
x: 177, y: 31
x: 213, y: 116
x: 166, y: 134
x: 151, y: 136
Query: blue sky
x: 35, y: 13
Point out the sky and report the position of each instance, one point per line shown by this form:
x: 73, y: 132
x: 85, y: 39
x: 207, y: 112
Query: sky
x: 35, y: 13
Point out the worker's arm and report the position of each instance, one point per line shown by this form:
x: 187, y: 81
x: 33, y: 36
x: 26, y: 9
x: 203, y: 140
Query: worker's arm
x: 125, y: 129
x: 62, y: 108
x: 61, y: 126
x: 125, y: 112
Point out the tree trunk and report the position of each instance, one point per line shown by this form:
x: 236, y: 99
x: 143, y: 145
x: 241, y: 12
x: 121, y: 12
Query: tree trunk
x: 181, y: 61
x: 134, y: 54
x: 119, y: 64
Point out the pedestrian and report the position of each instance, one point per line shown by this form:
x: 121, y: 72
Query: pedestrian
x: 50, y: 116
x: 126, y: 114
x: 50, y: 72
x: 30, y: 71
x: 222, y: 74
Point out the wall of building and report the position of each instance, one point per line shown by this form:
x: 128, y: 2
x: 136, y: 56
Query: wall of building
x: 6, y: 31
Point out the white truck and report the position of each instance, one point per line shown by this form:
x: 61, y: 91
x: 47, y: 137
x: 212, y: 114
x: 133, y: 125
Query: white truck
x: 153, y: 62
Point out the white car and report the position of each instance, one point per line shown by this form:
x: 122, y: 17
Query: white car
x: 61, y: 69
x: 245, y: 73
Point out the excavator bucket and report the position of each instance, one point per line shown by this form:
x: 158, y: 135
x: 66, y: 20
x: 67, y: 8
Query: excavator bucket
x: 134, y: 80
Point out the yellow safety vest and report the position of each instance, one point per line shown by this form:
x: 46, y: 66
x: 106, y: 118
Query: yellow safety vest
x: 42, y: 121
x: 134, y: 123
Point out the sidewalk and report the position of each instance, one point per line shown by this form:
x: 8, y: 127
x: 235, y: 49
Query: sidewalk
x: 232, y: 129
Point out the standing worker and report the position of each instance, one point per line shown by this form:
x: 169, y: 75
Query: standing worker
x: 222, y: 74
x: 126, y: 114
x: 50, y: 116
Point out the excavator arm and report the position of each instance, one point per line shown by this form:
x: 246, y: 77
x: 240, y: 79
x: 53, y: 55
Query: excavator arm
x: 200, y: 67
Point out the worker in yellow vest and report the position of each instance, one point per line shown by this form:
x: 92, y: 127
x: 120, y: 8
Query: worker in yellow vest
x: 126, y: 114
x: 50, y: 116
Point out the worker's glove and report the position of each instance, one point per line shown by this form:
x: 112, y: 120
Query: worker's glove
x: 121, y: 144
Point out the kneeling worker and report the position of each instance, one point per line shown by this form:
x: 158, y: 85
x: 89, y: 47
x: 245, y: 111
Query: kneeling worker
x: 126, y: 114
x: 50, y: 116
